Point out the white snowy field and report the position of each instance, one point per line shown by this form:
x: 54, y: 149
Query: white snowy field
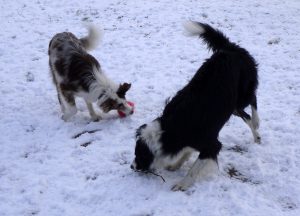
x: 50, y: 167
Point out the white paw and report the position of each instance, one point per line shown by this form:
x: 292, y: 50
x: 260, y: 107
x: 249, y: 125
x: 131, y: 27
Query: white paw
x: 66, y: 117
x: 257, y: 139
x: 172, y: 168
x: 181, y: 186
x: 69, y: 113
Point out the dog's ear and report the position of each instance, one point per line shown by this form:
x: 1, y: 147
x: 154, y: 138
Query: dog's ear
x: 123, y: 88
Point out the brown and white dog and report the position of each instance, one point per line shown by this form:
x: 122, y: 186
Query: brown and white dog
x: 77, y: 73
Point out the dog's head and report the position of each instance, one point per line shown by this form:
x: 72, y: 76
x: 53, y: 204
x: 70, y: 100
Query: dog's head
x: 143, y: 157
x: 148, y: 147
x: 117, y: 100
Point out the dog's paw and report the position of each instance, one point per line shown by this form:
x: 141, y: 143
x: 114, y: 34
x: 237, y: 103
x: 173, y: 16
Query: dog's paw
x: 172, y: 168
x: 180, y: 186
x: 68, y: 113
x: 184, y: 184
x: 65, y: 117
x: 96, y: 118
x: 257, y: 139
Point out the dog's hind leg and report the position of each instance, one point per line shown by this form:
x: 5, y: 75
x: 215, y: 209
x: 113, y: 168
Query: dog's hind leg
x: 255, y: 118
x: 205, y: 163
x: 68, y: 104
x: 251, y: 122
x: 93, y: 115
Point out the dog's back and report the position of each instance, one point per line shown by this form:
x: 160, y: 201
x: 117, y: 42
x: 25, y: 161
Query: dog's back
x: 69, y: 61
x: 63, y: 44
x: 237, y: 59
x: 226, y: 82
x: 68, y: 42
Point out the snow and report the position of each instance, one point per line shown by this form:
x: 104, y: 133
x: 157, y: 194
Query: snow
x: 50, y: 167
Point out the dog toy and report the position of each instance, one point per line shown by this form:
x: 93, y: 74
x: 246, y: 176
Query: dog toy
x: 122, y: 114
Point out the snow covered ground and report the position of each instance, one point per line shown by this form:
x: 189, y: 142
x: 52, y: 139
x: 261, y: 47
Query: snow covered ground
x: 50, y: 167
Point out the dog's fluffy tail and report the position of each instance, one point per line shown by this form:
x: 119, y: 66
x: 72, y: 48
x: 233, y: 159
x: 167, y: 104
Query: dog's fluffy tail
x: 93, y: 38
x: 215, y: 39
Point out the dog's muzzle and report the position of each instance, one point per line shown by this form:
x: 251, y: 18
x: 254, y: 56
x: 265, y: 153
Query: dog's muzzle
x: 133, y: 165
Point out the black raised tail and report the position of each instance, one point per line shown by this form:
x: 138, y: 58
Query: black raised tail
x: 215, y: 39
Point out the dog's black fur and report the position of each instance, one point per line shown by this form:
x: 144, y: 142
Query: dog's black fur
x: 224, y: 85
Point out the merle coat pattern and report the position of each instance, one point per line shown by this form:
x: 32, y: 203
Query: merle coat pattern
x: 77, y: 73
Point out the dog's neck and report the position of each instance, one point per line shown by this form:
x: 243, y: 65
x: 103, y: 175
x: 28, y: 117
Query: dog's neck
x: 151, y: 134
x: 99, y: 92
x: 102, y: 88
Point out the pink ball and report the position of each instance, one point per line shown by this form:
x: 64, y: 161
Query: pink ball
x: 123, y: 115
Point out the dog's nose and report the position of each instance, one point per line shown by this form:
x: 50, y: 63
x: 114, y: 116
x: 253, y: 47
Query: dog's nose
x: 131, y: 166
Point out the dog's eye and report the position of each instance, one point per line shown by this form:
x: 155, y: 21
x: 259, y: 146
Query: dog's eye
x: 120, y: 105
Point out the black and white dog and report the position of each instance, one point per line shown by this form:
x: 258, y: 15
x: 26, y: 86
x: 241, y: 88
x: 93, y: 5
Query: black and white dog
x: 224, y: 85
x: 77, y: 73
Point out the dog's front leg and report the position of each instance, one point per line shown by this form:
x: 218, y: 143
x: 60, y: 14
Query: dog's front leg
x: 68, y: 104
x: 181, y: 160
x: 69, y: 112
x: 199, y: 168
x: 253, y: 122
x: 93, y: 115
